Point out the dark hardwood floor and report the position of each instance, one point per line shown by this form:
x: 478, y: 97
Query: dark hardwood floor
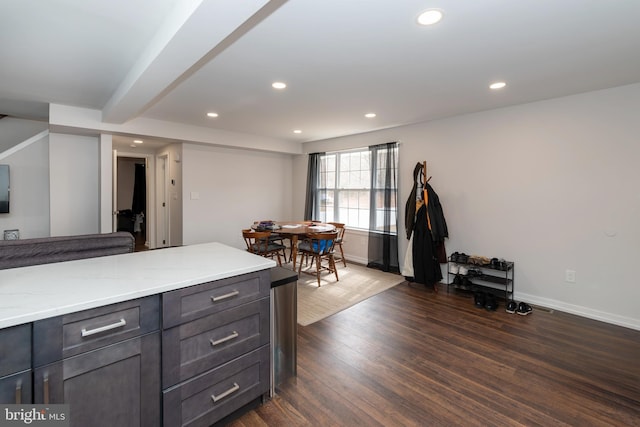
x: 412, y: 357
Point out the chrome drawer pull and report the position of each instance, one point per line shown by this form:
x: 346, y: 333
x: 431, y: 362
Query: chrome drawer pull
x: 225, y: 339
x: 86, y: 333
x: 225, y: 296
x: 233, y: 389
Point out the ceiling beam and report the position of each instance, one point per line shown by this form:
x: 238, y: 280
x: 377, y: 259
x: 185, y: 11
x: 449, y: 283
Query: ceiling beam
x: 195, y: 33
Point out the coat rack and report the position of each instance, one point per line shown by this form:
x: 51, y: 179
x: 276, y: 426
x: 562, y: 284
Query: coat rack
x: 424, y: 173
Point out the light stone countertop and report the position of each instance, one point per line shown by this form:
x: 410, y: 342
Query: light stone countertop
x: 38, y: 292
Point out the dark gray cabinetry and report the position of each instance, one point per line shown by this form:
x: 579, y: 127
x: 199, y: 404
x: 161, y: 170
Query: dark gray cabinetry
x: 15, y: 364
x: 215, y: 345
x: 104, y: 362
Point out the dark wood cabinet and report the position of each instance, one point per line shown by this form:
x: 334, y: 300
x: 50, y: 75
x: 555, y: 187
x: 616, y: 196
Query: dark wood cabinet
x: 216, y: 349
x: 104, y: 363
x: 188, y: 357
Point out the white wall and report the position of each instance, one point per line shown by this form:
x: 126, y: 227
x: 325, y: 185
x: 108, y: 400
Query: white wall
x: 74, y: 167
x: 551, y: 185
x: 29, y: 205
x: 227, y: 189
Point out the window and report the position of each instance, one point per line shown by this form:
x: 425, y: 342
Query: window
x: 344, y: 189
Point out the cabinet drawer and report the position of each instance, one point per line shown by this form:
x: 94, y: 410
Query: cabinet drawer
x: 197, y: 346
x: 16, y: 388
x: 209, y: 397
x: 15, y: 349
x: 75, y: 333
x: 190, y: 303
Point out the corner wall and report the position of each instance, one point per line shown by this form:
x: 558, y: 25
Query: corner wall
x: 29, y: 197
x: 74, y: 184
x: 227, y: 189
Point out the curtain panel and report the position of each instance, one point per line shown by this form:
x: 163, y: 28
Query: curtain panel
x: 312, y: 202
x: 383, y: 229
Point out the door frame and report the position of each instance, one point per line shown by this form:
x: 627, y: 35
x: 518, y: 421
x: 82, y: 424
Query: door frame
x: 150, y: 171
x: 163, y: 213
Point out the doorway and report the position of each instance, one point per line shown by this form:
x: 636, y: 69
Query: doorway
x: 133, y: 198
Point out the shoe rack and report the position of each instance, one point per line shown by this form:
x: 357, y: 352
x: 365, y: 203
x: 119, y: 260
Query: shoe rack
x: 474, y: 273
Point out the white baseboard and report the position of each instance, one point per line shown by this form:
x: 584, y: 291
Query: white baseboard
x: 589, y: 313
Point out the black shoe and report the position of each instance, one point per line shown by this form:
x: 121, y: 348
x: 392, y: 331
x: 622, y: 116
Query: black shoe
x: 524, y: 309
x: 512, y: 307
x: 479, y: 299
x: 491, y: 303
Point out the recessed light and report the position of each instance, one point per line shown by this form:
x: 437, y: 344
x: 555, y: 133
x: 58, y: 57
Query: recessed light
x: 430, y: 17
x: 133, y: 145
x: 278, y: 85
x: 370, y: 115
x: 137, y: 141
x: 214, y: 115
x: 297, y: 131
x: 497, y: 85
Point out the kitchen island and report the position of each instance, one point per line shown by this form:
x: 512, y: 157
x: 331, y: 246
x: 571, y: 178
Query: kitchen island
x: 176, y: 336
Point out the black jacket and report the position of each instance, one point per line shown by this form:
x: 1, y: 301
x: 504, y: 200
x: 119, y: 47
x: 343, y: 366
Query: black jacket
x: 410, y: 207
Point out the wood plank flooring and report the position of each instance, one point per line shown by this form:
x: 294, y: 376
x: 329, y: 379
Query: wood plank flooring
x: 413, y: 357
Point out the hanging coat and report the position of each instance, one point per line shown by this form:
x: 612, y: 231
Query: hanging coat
x: 438, y: 224
x: 426, y: 268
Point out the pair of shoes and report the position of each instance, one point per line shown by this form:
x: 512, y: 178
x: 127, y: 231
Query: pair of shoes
x: 459, y: 257
x: 491, y: 303
x: 485, y: 300
x: 524, y: 309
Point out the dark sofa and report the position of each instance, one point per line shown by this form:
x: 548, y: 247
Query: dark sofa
x: 45, y: 250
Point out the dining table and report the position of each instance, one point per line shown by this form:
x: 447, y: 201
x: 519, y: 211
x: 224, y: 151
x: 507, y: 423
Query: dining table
x: 294, y: 230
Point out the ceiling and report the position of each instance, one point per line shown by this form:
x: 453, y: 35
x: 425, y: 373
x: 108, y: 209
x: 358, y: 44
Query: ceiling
x: 176, y: 60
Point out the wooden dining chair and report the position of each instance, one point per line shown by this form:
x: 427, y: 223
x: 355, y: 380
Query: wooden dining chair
x: 339, y: 240
x: 319, y: 247
x: 259, y: 243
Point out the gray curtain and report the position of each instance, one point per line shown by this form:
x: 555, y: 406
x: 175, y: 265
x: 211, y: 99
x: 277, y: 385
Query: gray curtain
x: 311, y: 205
x: 383, y: 222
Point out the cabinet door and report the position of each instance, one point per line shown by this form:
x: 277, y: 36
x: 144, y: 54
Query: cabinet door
x: 16, y: 389
x: 15, y: 364
x: 15, y: 349
x: 118, y: 385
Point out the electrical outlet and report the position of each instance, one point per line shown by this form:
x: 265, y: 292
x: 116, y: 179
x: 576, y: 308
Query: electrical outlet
x: 570, y: 276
